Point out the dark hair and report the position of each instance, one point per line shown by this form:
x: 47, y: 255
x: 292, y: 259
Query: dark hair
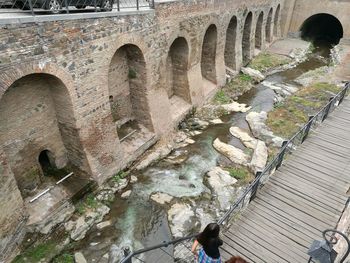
x: 236, y: 260
x: 210, y: 233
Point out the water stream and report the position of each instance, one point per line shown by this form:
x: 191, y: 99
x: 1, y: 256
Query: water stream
x: 140, y: 222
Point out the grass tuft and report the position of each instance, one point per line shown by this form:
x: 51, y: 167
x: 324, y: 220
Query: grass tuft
x: 265, y: 61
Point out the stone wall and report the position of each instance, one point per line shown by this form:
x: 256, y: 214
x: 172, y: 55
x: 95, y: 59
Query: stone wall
x: 300, y: 10
x: 63, y: 84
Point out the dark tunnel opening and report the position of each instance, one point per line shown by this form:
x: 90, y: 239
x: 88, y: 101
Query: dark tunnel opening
x: 322, y: 28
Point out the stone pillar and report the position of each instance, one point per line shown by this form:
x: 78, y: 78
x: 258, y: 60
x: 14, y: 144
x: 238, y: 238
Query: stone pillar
x: 12, y: 214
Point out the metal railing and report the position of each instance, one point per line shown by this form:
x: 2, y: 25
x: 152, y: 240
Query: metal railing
x: 182, y: 246
x: 12, y: 8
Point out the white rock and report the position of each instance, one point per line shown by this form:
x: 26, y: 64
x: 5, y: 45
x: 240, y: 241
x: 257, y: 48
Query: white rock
x: 234, y: 154
x: 235, y: 107
x: 79, y: 258
x: 255, y: 74
x: 190, y: 141
x: 126, y: 194
x: 259, y: 129
x: 221, y: 183
x: 216, y: 121
x: 180, y: 217
x: 103, y: 224
x: 259, y: 158
x: 244, y: 137
x: 161, y: 198
x: 153, y: 156
x: 133, y: 179
x: 180, y: 137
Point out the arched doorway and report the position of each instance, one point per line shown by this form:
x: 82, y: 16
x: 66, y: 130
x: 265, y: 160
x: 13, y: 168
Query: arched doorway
x: 230, y: 46
x: 246, y: 40
x: 322, y: 28
x: 268, y: 28
x: 208, y: 58
x: 276, y: 23
x: 259, y: 32
x: 47, y: 162
x: 36, y: 113
x: 127, y: 82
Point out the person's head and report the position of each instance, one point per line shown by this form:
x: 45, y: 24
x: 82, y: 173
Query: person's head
x: 236, y: 260
x: 210, y: 232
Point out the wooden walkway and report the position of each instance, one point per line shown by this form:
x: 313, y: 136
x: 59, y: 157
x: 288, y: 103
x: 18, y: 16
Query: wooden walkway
x: 306, y: 196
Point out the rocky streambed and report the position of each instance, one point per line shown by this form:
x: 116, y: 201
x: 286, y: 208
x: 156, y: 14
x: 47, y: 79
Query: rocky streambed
x: 185, y: 183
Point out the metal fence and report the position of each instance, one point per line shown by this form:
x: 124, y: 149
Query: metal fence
x: 10, y: 8
x: 182, y: 247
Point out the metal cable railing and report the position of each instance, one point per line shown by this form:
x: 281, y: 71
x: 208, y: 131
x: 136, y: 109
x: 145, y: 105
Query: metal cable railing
x: 13, y: 8
x: 182, y: 246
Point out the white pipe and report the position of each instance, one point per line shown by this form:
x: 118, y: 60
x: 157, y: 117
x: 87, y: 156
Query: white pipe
x: 131, y: 133
x: 41, y: 194
x: 64, y: 178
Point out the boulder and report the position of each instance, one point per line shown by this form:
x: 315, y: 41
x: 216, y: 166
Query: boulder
x: 236, y: 155
x: 103, y: 224
x: 216, y: 121
x: 221, y: 184
x: 161, y: 198
x: 133, y: 179
x: 126, y: 194
x: 79, y: 258
x: 244, y: 137
x: 181, y: 219
x: 259, y: 158
x: 235, y: 107
x: 255, y: 74
x: 259, y: 129
x: 154, y: 156
x: 190, y: 141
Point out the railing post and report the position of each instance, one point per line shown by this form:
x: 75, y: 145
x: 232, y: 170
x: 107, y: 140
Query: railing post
x: 153, y: 4
x: 126, y: 253
x: 118, y: 5
x: 66, y: 4
x: 281, y: 154
x: 343, y: 93
x: 31, y: 7
x: 328, y: 107
x: 307, y: 129
x: 137, y: 5
x: 255, y: 187
x: 95, y: 5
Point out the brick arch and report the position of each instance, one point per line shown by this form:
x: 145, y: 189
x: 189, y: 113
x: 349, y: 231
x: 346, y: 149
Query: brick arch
x: 259, y: 31
x: 276, y: 20
x: 247, y: 38
x: 230, y: 54
x: 8, y: 77
x: 209, y: 51
x: 127, y: 86
x: 269, y: 25
x: 186, y: 36
x: 47, y: 111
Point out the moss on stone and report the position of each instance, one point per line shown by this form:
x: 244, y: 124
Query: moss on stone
x: 287, y: 117
x: 265, y: 61
x: 36, y: 253
x: 64, y: 258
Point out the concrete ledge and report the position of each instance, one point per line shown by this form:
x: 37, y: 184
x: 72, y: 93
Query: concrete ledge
x: 70, y: 16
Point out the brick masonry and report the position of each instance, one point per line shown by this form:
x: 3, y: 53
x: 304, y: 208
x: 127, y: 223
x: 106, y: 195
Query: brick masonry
x: 64, y: 84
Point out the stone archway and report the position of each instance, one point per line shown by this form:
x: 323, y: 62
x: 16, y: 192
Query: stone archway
x: 208, y: 58
x: 322, y: 27
x: 230, y: 46
x: 127, y: 84
x: 276, y: 23
x: 259, y: 32
x: 268, y: 28
x: 177, y: 66
x: 47, y: 162
x: 36, y: 113
x: 246, y: 39
x: 177, y: 85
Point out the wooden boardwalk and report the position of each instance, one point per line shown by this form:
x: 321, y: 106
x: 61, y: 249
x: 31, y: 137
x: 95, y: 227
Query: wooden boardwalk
x: 306, y: 196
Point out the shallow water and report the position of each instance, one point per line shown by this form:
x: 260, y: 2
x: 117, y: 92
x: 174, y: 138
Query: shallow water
x: 139, y: 222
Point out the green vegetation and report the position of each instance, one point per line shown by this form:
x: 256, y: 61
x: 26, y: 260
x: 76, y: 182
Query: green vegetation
x: 36, y: 253
x: 265, y: 61
x: 221, y: 97
x: 287, y: 117
x: 237, y: 86
x: 132, y: 74
x: 240, y: 173
x: 120, y: 175
x: 64, y: 258
x: 87, y: 203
